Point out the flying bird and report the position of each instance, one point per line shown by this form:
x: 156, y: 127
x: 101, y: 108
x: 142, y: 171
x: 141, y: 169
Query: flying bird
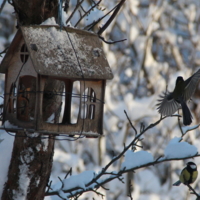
x: 188, y: 174
x: 170, y: 102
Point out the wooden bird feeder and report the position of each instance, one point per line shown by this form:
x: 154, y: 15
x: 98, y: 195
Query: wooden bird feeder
x: 73, y: 57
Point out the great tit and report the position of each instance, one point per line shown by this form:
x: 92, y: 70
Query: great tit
x: 170, y: 102
x: 188, y: 174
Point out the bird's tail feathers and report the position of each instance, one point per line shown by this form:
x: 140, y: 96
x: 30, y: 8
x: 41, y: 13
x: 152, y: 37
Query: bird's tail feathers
x: 187, y: 116
x: 177, y: 183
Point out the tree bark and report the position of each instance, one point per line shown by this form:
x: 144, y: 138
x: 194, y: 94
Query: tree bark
x: 32, y: 157
x: 30, y: 168
x: 35, y: 11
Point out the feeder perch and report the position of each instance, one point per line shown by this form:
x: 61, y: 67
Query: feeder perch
x: 38, y: 59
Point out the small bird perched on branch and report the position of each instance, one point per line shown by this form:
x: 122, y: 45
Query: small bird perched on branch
x: 188, y: 174
x: 170, y: 102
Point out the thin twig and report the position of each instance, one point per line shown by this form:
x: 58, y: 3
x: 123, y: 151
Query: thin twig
x: 100, y: 185
x: 10, y: 2
x: 122, y: 170
x: 190, y: 129
x: 102, y: 29
x: 49, y: 187
x: 4, y: 51
x: 138, y: 146
x: 142, y: 126
x: 98, y: 193
x: 61, y: 181
x: 130, y: 122
x: 90, y: 26
x: 120, y: 179
x: 77, y: 6
x: 82, y: 9
x: 179, y: 124
x: 2, y: 5
x: 96, y: 4
x: 129, y: 190
x: 193, y: 191
x: 69, y: 172
x: 113, y: 42
x: 159, y: 158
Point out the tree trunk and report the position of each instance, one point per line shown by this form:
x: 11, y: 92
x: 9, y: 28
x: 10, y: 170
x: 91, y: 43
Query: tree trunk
x: 32, y: 157
x: 35, y: 11
x: 29, y: 169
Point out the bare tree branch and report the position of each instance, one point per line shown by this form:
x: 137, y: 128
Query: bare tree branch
x: 90, y: 26
x: 194, y: 192
x: 109, y: 42
x: 77, y: 6
x: 96, y: 182
x: 69, y: 172
x: 85, y: 13
x: 2, y: 5
x: 4, y: 51
x: 102, y: 29
x: 130, y: 122
x: 130, y: 189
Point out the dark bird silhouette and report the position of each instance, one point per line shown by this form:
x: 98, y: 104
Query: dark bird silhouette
x: 170, y: 102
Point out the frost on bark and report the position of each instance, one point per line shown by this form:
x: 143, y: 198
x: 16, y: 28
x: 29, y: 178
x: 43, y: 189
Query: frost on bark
x: 29, y: 169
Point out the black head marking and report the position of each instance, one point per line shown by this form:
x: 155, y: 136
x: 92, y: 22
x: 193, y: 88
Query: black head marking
x: 191, y: 166
x: 179, y: 79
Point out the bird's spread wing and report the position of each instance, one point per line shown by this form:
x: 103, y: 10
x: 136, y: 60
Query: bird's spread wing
x: 191, y: 84
x: 167, y: 105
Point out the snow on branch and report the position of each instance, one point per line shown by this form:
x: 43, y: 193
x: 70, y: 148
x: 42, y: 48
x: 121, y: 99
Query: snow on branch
x: 76, y: 185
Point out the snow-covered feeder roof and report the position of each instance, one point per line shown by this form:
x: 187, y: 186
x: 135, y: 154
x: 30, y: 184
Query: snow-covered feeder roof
x: 52, y: 52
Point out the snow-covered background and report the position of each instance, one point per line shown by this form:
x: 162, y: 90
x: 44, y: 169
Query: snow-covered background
x: 162, y: 43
